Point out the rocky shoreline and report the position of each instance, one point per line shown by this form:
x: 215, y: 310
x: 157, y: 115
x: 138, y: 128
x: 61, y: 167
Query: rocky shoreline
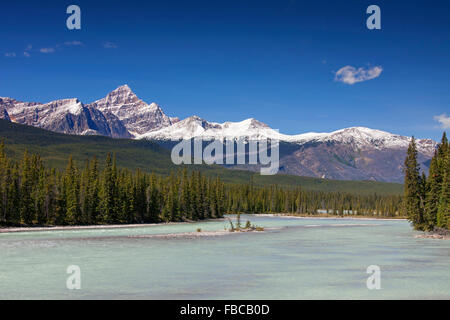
x: 92, y: 227
x: 329, y: 216
x: 193, y: 235
x: 437, y: 233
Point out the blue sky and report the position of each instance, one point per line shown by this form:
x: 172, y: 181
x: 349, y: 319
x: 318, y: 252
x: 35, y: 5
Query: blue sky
x: 230, y: 60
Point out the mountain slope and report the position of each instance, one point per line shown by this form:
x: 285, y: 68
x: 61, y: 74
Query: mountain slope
x: 55, y: 149
x: 136, y: 115
x: 4, y: 114
x: 121, y: 114
x: 195, y: 126
x: 356, y: 153
x: 252, y: 129
x: 66, y: 116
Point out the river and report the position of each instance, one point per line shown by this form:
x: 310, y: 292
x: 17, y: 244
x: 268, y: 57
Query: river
x: 294, y: 258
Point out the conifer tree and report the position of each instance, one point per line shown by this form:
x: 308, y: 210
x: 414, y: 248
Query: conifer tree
x: 433, y: 194
x: 71, y: 184
x: 14, y: 198
x: 443, y: 214
x: 185, y: 201
x: 26, y: 189
x: 412, y: 188
x: 4, y: 181
x: 153, y: 202
x: 50, y: 198
x: 84, y: 201
x: 93, y: 214
x: 39, y: 195
x: 106, y: 202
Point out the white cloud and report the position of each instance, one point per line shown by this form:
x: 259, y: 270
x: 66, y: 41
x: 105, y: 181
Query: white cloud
x: 73, y: 43
x: 26, y: 53
x: 47, y: 50
x: 443, y: 120
x: 351, y: 75
x: 109, y: 45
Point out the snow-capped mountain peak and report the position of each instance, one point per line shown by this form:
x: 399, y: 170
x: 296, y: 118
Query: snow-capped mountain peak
x: 154, y: 106
x: 121, y: 95
x: 252, y: 129
x: 350, y: 153
x: 362, y: 137
x: 195, y: 126
x: 136, y: 115
x: 72, y: 106
x: 249, y: 124
x: 119, y: 100
x: 120, y: 114
x: 188, y: 128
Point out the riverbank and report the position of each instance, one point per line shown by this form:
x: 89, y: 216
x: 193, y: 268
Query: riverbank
x: 127, y: 226
x: 199, y: 234
x: 329, y: 216
x: 194, y: 234
x: 93, y: 227
x: 441, y: 234
x: 432, y: 236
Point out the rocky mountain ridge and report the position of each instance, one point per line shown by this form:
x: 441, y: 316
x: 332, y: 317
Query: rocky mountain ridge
x: 355, y: 153
x: 121, y: 114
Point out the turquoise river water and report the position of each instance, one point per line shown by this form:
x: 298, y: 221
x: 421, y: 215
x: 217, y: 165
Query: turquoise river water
x: 295, y: 258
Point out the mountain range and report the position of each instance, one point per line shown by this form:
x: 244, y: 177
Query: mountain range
x: 355, y: 153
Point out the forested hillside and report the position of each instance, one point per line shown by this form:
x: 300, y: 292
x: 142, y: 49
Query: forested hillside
x: 55, y: 148
x: 33, y: 194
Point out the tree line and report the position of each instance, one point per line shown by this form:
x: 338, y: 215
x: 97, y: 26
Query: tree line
x: 427, y: 199
x: 33, y: 194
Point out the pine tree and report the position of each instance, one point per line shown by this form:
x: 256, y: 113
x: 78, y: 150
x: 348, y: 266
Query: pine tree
x: 50, y: 198
x: 93, y: 214
x: 14, y: 199
x: 412, y: 188
x: 153, y: 203
x: 194, y: 210
x: 26, y: 189
x: 71, y: 194
x: 185, y: 202
x: 170, y: 210
x: 219, y: 198
x: 443, y: 214
x: 84, y: 200
x: 106, y: 193
x: 4, y: 180
x: 174, y: 199
x: 442, y: 152
x: 127, y: 199
x: 40, y: 197
x: 140, y: 202
x: 433, y: 194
